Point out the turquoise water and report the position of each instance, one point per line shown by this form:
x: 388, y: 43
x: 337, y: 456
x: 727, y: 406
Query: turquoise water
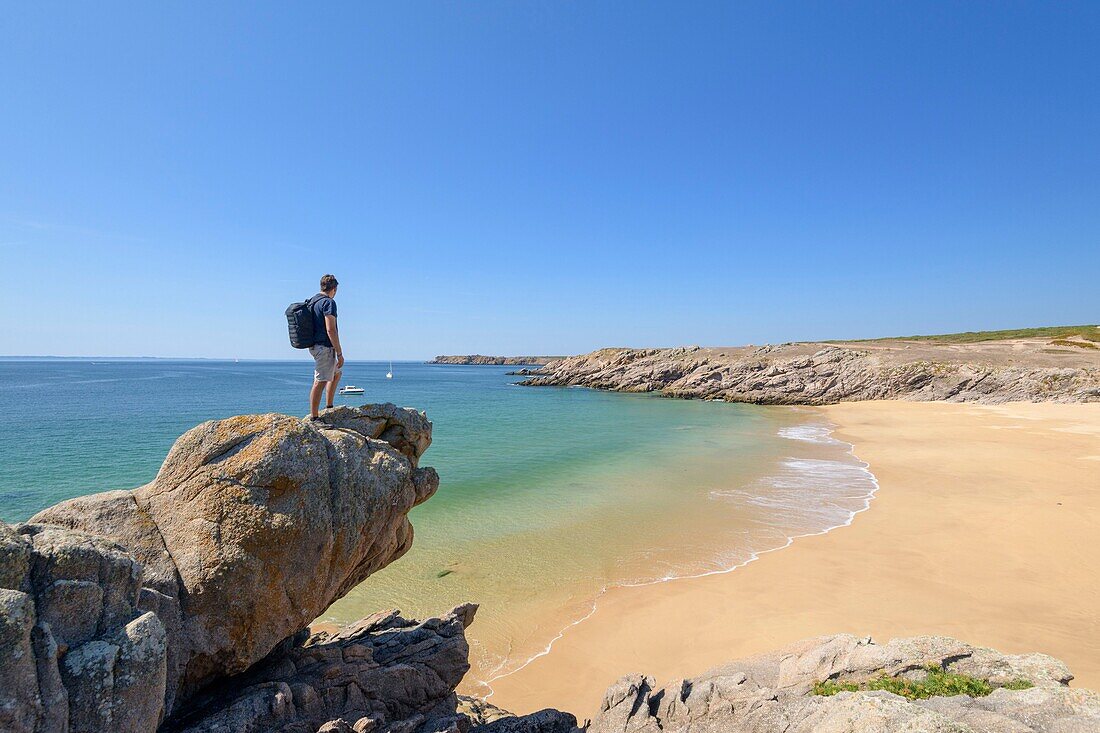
x: 547, y: 495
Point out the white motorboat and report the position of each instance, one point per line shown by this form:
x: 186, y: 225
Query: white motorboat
x: 351, y: 389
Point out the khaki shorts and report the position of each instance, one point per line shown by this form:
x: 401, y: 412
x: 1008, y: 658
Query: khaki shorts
x: 324, y: 358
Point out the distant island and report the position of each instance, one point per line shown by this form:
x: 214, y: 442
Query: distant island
x: 496, y: 360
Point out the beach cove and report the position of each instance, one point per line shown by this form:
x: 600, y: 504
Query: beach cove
x: 982, y: 529
x: 548, y: 498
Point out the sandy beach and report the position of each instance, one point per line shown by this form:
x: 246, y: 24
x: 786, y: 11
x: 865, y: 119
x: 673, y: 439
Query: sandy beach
x: 984, y: 528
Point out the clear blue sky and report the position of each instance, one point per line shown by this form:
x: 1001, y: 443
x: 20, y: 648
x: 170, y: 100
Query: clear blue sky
x: 505, y: 177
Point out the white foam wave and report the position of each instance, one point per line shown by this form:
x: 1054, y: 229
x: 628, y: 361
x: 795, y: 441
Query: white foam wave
x: 821, y: 434
x: 807, y: 492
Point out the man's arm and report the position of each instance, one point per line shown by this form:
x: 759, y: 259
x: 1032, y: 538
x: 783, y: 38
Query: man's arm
x: 334, y: 337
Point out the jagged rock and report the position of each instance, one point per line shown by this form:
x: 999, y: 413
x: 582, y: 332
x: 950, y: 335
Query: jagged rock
x: 818, y: 374
x: 543, y: 721
x: 376, y: 674
x: 773, y: 692
x: 19, y: 704
x: 80, y: 654
x: 481, y: 711
x: 488, y: 718
x: 117, y: 609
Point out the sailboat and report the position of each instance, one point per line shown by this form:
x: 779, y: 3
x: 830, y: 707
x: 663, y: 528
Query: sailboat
x: 389, y: 374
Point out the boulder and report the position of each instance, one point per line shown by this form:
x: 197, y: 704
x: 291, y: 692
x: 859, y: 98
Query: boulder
x: 118, y: 609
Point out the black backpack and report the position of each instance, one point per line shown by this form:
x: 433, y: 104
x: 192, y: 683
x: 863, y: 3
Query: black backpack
x: 299, y: 319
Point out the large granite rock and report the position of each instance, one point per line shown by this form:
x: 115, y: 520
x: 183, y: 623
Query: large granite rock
x: 819, y: 374
x: 117, y: 609
x: 774, y: 692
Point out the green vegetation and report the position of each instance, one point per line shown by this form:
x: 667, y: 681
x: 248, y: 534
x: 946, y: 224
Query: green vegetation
x: 1089, y: 333
x: 937, y: 683
x: 829, y: 688
x: 1078, y: 344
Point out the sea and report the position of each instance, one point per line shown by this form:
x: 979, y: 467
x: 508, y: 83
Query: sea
x: 548, y: 496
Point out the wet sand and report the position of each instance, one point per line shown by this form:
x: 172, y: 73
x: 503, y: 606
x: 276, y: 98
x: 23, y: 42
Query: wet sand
x: 984, y: 528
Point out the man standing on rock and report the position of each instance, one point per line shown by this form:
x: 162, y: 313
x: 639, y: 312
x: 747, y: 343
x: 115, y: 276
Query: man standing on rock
x: 326, y: 351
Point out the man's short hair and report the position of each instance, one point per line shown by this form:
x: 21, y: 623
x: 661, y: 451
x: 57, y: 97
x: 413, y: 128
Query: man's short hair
x: 328, y: 282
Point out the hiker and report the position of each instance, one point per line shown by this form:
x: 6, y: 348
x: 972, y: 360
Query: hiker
x: 327, y: 354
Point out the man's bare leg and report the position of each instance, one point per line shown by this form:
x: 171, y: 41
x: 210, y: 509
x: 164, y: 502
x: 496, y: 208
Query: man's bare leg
x: 315, y: 397
x: 332, y: 387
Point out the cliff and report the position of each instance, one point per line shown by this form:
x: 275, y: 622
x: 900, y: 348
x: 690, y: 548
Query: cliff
x: 819, y: 373
x: 494, y: 360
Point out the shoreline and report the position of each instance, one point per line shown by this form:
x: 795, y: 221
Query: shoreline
x: 808, y: 432
x: 753, y: 557
x: 671, y: 629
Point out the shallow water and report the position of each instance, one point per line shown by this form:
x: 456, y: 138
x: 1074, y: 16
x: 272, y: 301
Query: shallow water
x: 548, y: 496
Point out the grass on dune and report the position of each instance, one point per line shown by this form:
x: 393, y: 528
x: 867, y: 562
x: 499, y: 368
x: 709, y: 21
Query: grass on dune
x: 1087, y: 332
x: 937, y: 683
x: 1077, y: 344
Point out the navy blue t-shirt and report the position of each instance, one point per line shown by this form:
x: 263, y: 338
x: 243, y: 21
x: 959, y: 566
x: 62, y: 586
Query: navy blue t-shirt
x: 322, y: 306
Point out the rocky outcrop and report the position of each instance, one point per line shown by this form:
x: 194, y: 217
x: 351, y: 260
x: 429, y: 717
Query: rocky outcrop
x: 77, y: 652
x: 381, y: 673
x: 819, y: 374
x: 775, y: 692
x: 121, y: 609
x: 488, y: 718
x: 494, y: 360
x: 542, y: 721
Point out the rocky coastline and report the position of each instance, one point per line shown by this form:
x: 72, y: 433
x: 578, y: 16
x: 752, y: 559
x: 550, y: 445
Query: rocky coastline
x: 827, y: 373
x: 479, y: 359
x: 183, y: 606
